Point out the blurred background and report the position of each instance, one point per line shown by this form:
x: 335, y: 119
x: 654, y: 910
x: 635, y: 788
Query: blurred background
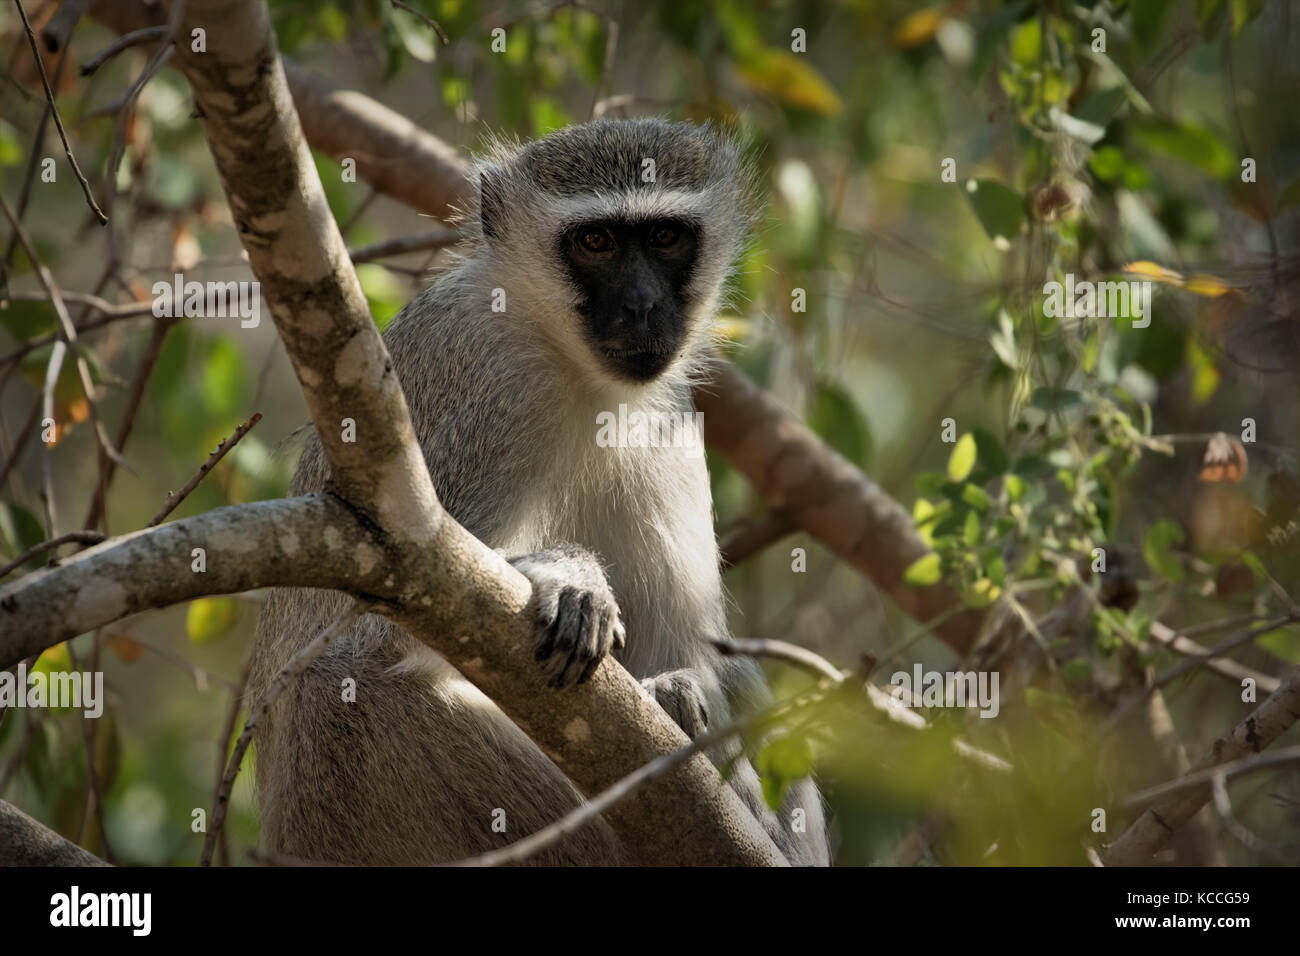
x: 925, y: 170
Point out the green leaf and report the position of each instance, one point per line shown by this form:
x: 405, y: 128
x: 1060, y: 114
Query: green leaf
x: 1188, y: 143
x: 1048, y: 399
x: 976, y: 497
x: 26, y: 320
x: 1107, y: 164
x: 1077, y: 670
x: 924, y: 571
x: 835, y: 416
x: 962, y: 459
x: 223, y: 378
x: 384, y: 294
x: 1101, y: 107
x: 1283, y: 643
x: 21, y: 530
x: 1157, y: 549
x: 992, y: 459
x: 209, y: 618
x: 781, y: 762
x: 971, y: 532
x: 1000, y: 210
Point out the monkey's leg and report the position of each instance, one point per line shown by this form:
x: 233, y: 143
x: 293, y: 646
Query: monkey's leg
x: 692, y: 698
x: 578, y: 621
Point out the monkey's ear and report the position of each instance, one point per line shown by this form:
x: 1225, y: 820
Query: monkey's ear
x: 491, y: 201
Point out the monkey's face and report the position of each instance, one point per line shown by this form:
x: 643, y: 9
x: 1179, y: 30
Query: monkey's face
x: 633, y: 276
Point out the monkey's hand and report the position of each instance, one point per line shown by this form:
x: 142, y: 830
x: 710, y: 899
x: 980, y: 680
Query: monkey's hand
x: 578, y: 621
x: 681, y: 694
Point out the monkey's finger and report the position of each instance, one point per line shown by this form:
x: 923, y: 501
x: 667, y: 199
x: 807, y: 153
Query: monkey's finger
x: 603, y: 638
x: 586, y: 651
x: 551, y: 626
x: 576, y: 617
x: 620, y: 632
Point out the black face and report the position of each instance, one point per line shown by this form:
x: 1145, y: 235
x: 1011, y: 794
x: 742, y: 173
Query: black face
x: 633, y: 276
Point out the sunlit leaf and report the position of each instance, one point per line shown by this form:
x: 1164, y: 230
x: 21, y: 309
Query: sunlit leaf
x: 962, y: 458
x: 790, y: 79
x: 924, y: 571
x: 209, y: 618
x: 918, y: 28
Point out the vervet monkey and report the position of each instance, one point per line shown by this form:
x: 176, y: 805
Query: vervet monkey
x: 594, y: 269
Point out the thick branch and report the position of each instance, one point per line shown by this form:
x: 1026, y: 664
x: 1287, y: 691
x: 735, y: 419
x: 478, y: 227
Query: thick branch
x: 27, y: 842
x: 311, y: 542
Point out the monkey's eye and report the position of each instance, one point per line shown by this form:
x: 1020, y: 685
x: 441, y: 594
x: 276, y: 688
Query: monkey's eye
x: 661, y: 237
x: 595, y: 240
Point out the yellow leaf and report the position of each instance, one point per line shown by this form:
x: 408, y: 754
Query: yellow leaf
x: 54, y: 658
x: 921, y: 512
x: 1207, y: 286
x: 1152, y: 271
x: 788, y: 78
x: 919, y: 28
x: 962, y: 459
x: 209, y: 618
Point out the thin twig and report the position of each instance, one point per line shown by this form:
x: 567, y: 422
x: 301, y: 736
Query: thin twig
x: 788, y: 653
x: 299, y: 663
x: 174, y: 498
x: 58, y: 122
x: 1224, y: 667
x: 69, y: 337
x: 108, y: 314
x: 223, y: 747
x: 94, y: 796
x: 135, y: 38
x: 58, y: 30
x: 52, y: 370
x: 1223, y: 807
x: 33, y: 163
x: 884, y: 702
x: 611, y: 48
x: 1191, y: 663
x: 1199, y: 778
x: 436, y: 239
x: 135, y: 396
x: 442, y: 34
x: 750, y: 537
x: 21, y: 442
x: 80, y: 537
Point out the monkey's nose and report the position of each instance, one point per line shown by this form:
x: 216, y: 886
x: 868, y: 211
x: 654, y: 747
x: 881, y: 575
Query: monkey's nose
x: 636, y: 313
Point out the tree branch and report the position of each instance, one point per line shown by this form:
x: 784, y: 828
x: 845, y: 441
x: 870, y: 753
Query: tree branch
x: 26, y: 842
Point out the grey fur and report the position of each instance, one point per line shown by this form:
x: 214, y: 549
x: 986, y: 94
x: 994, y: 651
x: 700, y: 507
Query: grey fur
x: 504, y: 405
